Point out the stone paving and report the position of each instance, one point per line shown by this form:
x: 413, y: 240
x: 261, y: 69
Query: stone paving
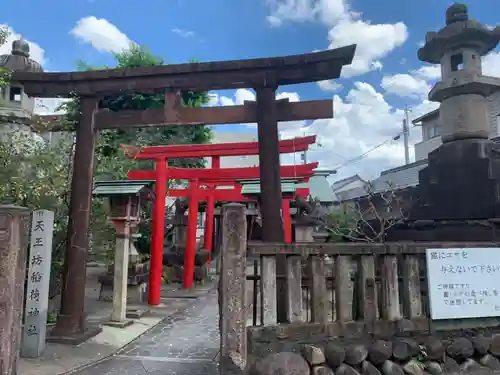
x: 186, y: 343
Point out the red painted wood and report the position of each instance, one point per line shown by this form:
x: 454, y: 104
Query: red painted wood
x: 287, y: 221
x: 209, y: 219
x: 218, y: 149
x: 190, y: 252
x: 220, y: 175
x: 158, y: 232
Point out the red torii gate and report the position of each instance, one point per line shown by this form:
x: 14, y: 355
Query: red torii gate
x: 235, y: 195
x: 210, y: 177
x: 197, y: 178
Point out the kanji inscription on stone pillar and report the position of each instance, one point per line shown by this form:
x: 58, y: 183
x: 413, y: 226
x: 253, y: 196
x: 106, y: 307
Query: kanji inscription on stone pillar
x: 37, y: 293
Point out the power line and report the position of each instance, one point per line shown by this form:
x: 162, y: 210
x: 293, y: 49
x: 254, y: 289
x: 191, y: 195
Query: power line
x: 365, y: 154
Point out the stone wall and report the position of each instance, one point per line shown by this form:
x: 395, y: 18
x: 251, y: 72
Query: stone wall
x: 433, y: 355
x: 14, y: 222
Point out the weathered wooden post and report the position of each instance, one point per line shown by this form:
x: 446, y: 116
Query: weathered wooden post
x: 232, y: 290
x: 37, y: 297
x: 13, y: 233
x: 270, y: 184
x: 71, y: 324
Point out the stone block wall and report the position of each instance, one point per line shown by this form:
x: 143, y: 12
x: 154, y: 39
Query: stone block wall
x: 14, y: 223
x: 425, y: 355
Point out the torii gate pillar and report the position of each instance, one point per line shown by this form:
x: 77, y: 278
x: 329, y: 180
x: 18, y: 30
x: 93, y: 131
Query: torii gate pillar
x: 270, y: 183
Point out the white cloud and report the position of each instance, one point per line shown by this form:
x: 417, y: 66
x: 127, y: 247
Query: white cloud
x: 417, y: 83
x: 405, y: 85
x: 428, y: 72
x: 491, y: 64
x: 291, y: 96
x: 101, y: 34
x: 183, y: 33
x: 274, y: 21
x: 374, y: 41
x: 290, y: 10
x: 243, y: 95
x: 37, y: 53
x: 363, y: 120
x: 48, y: 106
x: 330, y: 85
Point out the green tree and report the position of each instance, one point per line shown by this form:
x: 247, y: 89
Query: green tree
x: 110, y: 161
x: 36, y: 176
x: 4, y: 73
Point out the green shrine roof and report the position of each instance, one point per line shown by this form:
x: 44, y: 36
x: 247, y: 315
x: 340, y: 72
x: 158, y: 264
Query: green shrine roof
x: 318, y: 185
x: 252, y: 187
x: 119, y: 187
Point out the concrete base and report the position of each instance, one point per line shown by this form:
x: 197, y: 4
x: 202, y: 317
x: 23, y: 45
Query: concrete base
x: 136, y: 313
x: 135, y: 293
x: 75, y: 338
x: 123, y: 324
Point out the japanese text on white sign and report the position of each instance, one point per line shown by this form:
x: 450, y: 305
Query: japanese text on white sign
x: 464, y: 283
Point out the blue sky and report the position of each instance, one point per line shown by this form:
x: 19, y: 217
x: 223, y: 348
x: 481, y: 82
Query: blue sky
x: 386, y: 76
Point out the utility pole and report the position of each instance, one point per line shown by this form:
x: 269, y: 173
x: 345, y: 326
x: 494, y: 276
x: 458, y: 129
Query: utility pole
x: 406, y: 134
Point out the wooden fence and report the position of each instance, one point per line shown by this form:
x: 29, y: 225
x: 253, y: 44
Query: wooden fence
x: 352, y: 289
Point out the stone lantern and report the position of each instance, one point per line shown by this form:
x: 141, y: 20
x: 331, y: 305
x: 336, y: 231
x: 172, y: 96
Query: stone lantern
x: 124, y: 211
x: 462, y: 179
x: 16, y: 108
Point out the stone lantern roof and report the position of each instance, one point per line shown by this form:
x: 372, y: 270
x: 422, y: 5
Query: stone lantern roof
x: 19, y: 58
x: 459, y: 31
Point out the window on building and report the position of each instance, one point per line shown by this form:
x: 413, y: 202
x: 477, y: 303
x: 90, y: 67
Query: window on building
x: 15, y: 94
x: 457, y: 62
x: 433, y: 131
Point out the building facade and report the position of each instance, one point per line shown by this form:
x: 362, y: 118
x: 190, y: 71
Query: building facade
x: 430, y: 125
x: 235, y: 161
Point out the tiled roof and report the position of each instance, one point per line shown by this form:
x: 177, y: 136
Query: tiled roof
x: 345, y: 181
x: 428, y: 116
x: 119, y: 187
x: 354, y: 193
x: 392, y: 179
x: 399, y: 178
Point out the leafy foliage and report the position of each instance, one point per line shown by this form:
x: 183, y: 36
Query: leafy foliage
x: 36, y: 176
x: 4, y: 73
x: 110, y: 162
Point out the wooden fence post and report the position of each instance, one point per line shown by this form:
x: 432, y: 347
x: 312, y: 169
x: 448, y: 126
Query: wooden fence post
x: 232, y: 287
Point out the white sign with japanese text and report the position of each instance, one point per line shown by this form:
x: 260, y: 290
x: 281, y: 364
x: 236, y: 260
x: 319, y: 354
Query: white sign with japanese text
x: 37, y: 293
x: 464, y: 283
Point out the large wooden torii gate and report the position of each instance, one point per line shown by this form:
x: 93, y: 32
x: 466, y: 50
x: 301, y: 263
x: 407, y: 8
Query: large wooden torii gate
x: 263, y: 75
